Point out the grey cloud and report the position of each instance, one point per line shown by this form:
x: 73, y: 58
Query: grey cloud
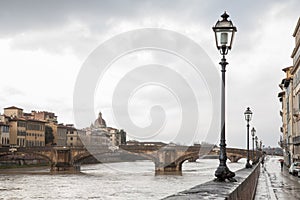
x: 46, y: 25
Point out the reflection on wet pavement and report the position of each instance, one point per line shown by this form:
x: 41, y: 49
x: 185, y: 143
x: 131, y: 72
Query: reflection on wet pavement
x: 276, y: 184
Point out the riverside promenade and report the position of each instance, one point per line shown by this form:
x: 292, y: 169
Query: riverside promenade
x: 272, y: 184
x: 244, y: 187
x: 275, y: 184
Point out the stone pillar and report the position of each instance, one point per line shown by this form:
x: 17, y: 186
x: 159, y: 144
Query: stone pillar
x: 61, y: 161
x: 166, y: 165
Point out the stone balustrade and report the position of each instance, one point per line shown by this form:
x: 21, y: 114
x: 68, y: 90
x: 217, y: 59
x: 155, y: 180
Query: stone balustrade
x: 244, y: 188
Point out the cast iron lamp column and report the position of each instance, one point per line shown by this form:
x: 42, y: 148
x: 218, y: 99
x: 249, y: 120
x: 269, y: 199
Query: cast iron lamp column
x: 253, y: 134
x: 256, y: 143
x: 224, y: 33
x: 248, y: 116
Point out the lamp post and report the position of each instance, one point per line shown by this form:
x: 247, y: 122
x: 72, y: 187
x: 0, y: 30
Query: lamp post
x: 253, y: 134
x: 248, y: 116
x: 224, y: 33
x: 256, y: 142
x: 260, y: 145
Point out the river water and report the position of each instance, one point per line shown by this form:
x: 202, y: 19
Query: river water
x: 116, y: 181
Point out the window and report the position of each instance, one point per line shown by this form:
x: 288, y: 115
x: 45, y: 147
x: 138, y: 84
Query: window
x: 21, y: 124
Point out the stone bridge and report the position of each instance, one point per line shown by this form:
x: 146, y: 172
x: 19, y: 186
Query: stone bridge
x: 234, y: 154
x: 168, y: 159
x: 60, y: 158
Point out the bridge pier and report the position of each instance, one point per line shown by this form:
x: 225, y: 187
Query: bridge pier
x: 170, y: 169
x: 64, y: 168
x: 166, y: 163
x: 62, y: 162
x: 234, y: 158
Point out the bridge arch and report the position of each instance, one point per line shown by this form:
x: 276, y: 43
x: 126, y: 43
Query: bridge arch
x: 21, y: 153
x: 186, y: 157
x: 81, y: 157
x: 235, y: 157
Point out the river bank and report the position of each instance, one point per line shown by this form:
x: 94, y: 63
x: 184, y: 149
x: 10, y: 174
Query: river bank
x: 20, y: 169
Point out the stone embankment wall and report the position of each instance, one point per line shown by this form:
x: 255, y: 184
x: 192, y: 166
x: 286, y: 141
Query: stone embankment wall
x: 243, y: 189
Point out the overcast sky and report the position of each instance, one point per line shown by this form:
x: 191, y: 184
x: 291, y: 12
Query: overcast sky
x: 44, y: 45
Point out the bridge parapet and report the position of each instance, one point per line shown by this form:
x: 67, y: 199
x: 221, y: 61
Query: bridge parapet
x: 244, y: 188
x: 234, y: 154
x: 168, y: 159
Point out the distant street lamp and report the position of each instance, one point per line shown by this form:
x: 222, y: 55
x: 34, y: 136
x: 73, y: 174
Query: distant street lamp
x: 256, y: 142
x: 224, y: 33
x: 260, y: 145
x: 253, y: 134
x: 248, y: 116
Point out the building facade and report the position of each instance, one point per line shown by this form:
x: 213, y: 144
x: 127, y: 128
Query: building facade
x: 51, y: 122
x: 4, y: 134
x: 290, y: 105
x: 108, y: 135
x: 73, y: 138
x: 35, y: 133
x: 24, y: 130
x: 61, y: 135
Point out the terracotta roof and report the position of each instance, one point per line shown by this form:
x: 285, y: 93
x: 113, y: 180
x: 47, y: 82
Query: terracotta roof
x: 13, y: 107
x: 35, y: 120
x: 71, y: 128
x: 61, y: 126
x: 17, y: 119
x: 3, y: 124
x: 287, y: 68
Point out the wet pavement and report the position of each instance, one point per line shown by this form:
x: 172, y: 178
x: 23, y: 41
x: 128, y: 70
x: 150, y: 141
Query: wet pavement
x: 276, y: 184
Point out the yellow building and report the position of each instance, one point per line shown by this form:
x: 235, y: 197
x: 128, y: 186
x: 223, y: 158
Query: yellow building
x: 51, y: 121
x: 17, y: 133
x: 4, y: 134
x: 24, y: 129
x: 35, y: 133
x: 13, y: 112
x: 286, y: 99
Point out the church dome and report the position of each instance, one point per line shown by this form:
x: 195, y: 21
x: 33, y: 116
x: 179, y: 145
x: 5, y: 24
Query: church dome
x: 100, y: 122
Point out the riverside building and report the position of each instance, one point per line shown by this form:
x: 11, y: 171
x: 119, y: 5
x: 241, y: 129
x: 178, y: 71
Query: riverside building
x: 290, y: 105
x: 24, y: 131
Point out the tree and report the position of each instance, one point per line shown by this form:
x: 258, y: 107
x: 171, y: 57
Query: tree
x: 49, y: 137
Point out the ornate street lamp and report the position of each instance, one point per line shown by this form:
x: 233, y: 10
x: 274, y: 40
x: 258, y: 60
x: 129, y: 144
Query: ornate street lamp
x: 248, y: 116
x: 253, y: 134
x: 224, y: 32
x: 260, y: 145
x: 256, y: 142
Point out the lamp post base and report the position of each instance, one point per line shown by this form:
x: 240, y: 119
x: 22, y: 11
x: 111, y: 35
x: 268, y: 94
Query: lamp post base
x: 223, y: 173
x: 248, y: 165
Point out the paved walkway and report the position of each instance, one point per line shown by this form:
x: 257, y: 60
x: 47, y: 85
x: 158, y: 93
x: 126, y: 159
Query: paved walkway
x: 276, y: 184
